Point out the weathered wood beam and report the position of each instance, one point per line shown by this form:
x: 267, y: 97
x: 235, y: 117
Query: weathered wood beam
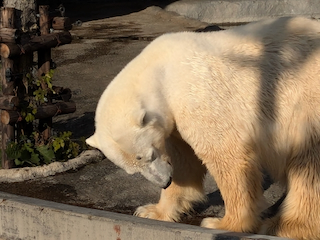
x: 10, y: 50
x: 8, y: 67
x: 26, y: 14
x: 44, y: 59
x: 9, y: 102
x: 61, y: 23
x: 7, y: 17
x: 61, y: 93
x: 45, y: 111
x: 9, y: 35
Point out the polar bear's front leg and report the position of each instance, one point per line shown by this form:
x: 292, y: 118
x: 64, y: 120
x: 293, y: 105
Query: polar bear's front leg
x: 174, y: 201
x: 239, y: 180
x: 186, y: 187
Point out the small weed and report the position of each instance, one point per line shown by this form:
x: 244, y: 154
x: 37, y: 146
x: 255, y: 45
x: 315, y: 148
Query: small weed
x: 31, y: 151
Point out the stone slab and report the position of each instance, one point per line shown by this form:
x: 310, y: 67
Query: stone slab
x: 241, y: 11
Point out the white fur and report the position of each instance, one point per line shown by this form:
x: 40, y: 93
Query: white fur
x: 235, y: 101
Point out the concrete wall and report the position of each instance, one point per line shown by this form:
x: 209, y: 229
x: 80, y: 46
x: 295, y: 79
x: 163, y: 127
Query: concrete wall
x: 27, y: 218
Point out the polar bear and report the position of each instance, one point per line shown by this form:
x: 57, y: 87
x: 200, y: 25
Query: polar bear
x: 235, y: 103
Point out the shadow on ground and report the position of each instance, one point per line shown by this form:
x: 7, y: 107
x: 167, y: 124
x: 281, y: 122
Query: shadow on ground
x: 99, y: 9
x: 81, y: 127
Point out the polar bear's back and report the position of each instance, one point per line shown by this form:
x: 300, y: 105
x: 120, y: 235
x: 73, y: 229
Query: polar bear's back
x: 274, y: 30
x: 252, y: 84
x: 259, y: 83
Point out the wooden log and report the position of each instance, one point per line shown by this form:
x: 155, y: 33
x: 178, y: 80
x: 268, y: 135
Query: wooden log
x: 7, y: 17
x: 44, y: 59
x: 7, y: 137
x: 43, y: 112
x: 22, y: 90
x: 26, y: 14
x: 9, y: 102
x: 25, y: 21
x: 7, y: 69
x: 61, y: 93
x: 9, y: 35
x: 49, y: 41
x: 61, y: 23
x: 10, y: 117
x: 11, y: 50
x: 55, y: 109
x: 44, y: 19
x: 7, y: 131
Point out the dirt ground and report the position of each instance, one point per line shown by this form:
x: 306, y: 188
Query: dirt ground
x: 109, y: 37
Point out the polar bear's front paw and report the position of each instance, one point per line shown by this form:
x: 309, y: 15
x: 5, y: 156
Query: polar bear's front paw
x: 151, y: 211
x: 211, y: 223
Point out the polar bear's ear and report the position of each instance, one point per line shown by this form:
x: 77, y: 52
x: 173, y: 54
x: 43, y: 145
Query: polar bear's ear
x: 146, y: 117
x: 139, y: 117
x: 91, y: 141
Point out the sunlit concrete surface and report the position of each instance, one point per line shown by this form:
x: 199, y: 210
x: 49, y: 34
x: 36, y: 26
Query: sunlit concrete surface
x: 237, y: 11
x: 28, y: 218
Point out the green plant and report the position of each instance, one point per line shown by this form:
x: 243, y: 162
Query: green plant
x: 64, y: 147
x: 34, y: 149
x: 31, y: 151
x: 28, y: 112
x: 39, y: 94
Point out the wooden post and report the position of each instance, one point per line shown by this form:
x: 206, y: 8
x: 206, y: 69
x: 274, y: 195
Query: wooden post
x: 7, y: 21
x: 26, y: 14
x: 44, y: 58
x: 61, y: 23
x: 9, y: 102
x: 25, y: 64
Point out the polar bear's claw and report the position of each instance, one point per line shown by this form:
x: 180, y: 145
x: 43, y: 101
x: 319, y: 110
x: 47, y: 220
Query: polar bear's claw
x: 151, y: 211
x: 210, y: 223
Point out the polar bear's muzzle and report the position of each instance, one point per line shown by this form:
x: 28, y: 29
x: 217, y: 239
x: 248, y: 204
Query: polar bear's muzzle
x: 158, y: 172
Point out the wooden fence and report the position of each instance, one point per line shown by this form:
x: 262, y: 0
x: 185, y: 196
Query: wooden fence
x: 18, y: 52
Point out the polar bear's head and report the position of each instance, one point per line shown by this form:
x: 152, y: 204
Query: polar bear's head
x: 135, y: 143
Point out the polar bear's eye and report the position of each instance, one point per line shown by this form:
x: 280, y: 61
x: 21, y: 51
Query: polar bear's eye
x: 138, y: 157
